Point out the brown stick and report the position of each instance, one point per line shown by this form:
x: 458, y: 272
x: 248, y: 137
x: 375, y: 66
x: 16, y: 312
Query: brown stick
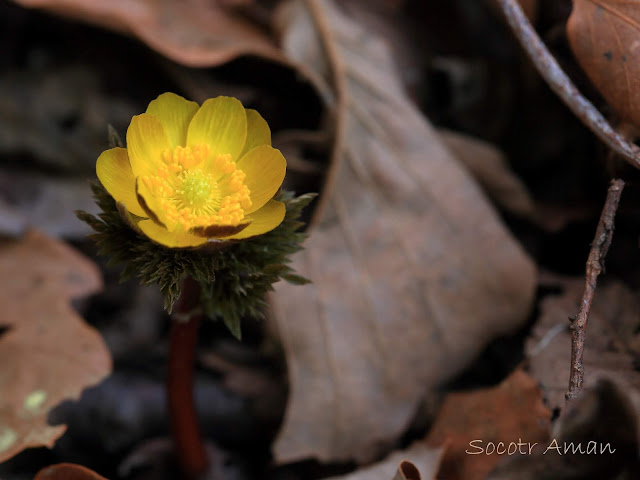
x: 184, y: 421
x: 562, y: 85
x: 595, y: 265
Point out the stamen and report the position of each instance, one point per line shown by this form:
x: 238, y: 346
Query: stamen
x: 196, y: 192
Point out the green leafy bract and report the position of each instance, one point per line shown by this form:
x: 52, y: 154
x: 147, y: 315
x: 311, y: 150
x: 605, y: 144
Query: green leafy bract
x: 234, y: 277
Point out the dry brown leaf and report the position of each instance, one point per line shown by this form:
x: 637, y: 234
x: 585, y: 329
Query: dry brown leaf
x: 413, y: 273
x: 612, y: 336
x: 489, y: 167
x: 416, y: 462
x: 67, y: 471
x: 604, y: 36
x: 197, y: 33
x: 591, y: 442
x: 512, y: 411
x: 47, y: 354
x: 407, y: 471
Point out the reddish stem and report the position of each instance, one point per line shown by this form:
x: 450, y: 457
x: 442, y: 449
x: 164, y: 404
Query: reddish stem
x: 184, y: 421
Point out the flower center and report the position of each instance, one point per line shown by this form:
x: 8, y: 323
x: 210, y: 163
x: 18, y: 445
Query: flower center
x: 195, y: 189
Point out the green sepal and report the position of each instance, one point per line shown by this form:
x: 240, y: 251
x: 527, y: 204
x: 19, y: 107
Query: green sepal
x: 295, y: 279
x: 234, y: 278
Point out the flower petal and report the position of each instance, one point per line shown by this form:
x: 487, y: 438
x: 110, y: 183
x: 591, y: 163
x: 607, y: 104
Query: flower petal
x: 146, y: 140
x: 263, y: 221
x: 217, y: 231
x: 265, y: 168
x: 152, y: 206
x: 174, y: 113
x: 258, y: 131
x: 221, y: 123
x: 114, y: 172
x: 169, y: 239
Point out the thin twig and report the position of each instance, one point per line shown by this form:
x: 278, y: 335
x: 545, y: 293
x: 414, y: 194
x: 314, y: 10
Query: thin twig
x: 562, y: 85
x: 595, y: 265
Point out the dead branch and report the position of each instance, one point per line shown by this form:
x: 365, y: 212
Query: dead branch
x: 595, y: 265
x: 560, y: 83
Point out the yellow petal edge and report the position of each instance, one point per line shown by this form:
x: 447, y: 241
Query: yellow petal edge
x: 265, y: 168
x: 175, y: 114
x: 114, y: 172
x: 262, y: 221
x: 221, y: 123
x: 169, y: 239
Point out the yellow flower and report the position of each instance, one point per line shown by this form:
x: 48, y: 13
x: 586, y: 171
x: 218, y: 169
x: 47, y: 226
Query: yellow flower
x: 194, y: 173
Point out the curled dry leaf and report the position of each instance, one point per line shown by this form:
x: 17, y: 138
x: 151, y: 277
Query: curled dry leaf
x: 413, y: 273
x: 512, y: 411
x: 416, y: 462
x: 604, y: 36
x: 67, y: 471
x: 407, y: 471
x: 192, y: 32
x: 47, y: 353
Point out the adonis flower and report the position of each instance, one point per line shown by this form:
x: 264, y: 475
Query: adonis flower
x: 191, y: 174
